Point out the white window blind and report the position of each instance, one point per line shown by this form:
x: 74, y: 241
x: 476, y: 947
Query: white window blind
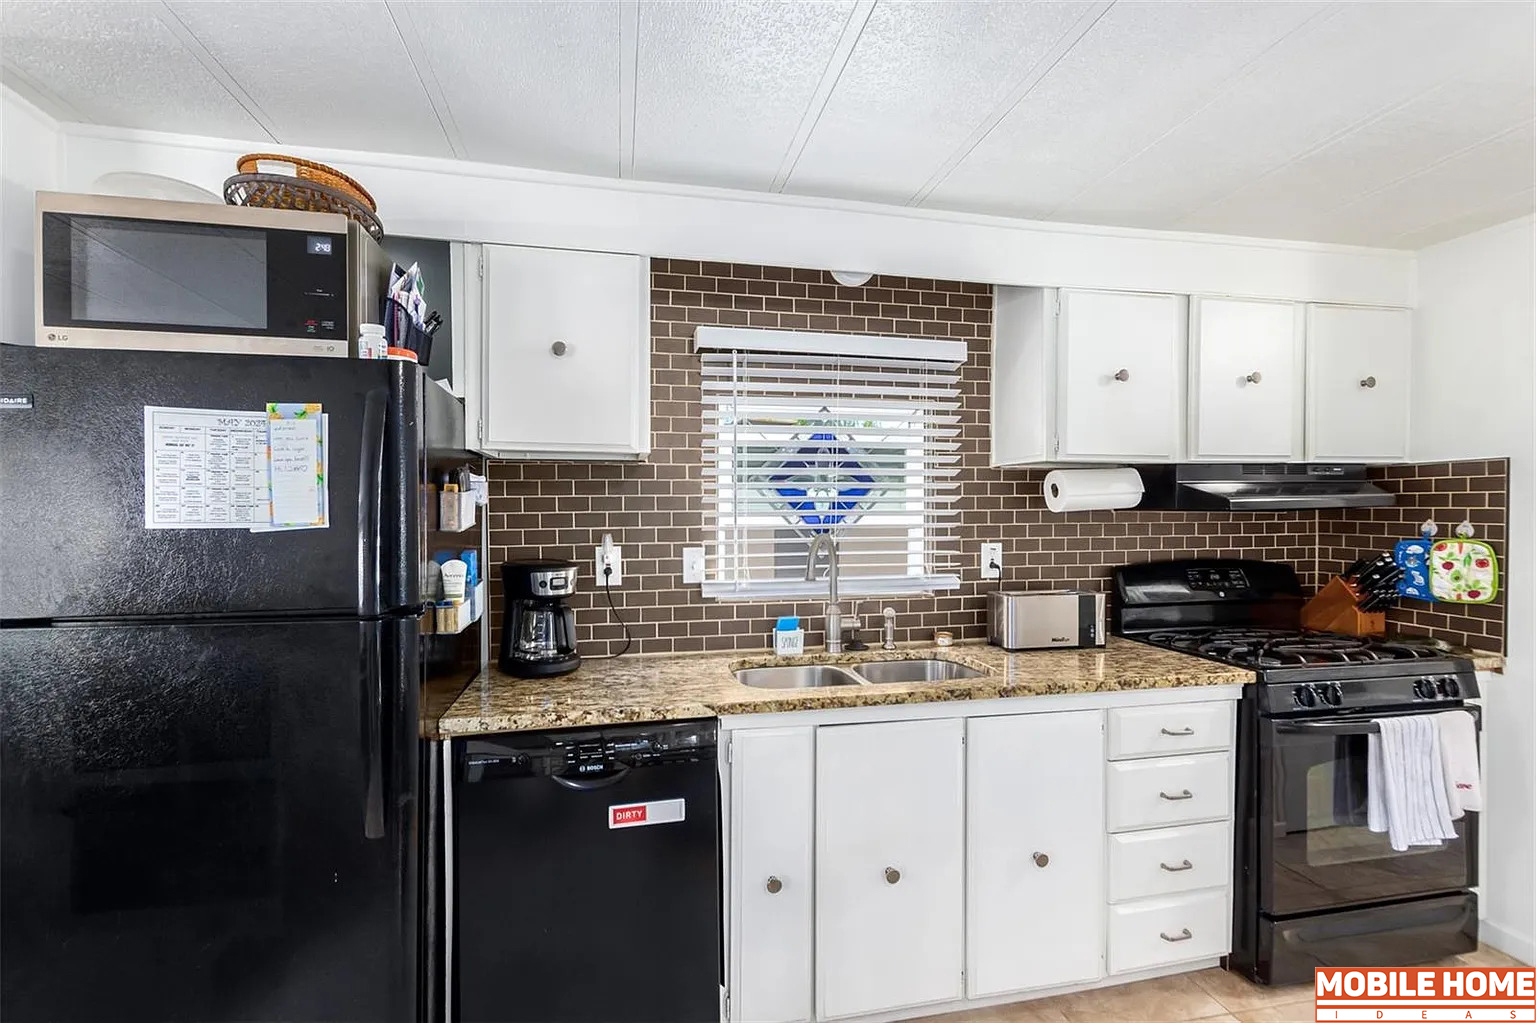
x: 814, y: 440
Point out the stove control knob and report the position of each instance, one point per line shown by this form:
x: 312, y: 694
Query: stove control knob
x: 1424, y: 688
x: 1449, y: 687
x: 1332, y: 694
x: 1305, y: 696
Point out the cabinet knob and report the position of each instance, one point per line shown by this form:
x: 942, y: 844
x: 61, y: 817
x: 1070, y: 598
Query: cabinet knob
x: 1123, y: 375
x: 1255, y: 377
x: 1176, y: 868
x: 1183, y: 935
x: 892, y: 875
x: 1368, y: 382
x: 1181, y: 794
x: 1041, y: 860
x: 774, y: 886
x: 559, y: 349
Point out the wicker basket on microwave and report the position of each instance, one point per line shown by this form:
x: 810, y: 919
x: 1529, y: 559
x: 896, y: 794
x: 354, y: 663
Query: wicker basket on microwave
x: 309, y: 170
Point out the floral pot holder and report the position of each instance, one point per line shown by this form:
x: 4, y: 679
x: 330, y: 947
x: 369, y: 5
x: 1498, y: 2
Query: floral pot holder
x: 1463, y: 571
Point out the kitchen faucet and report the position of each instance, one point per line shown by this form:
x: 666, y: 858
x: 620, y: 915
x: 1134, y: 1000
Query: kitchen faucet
x: 819, y: 542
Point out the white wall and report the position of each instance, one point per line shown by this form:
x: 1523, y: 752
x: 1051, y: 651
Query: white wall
x: 463, y: 201
x: 1475, y: 326
x: 29, y: 161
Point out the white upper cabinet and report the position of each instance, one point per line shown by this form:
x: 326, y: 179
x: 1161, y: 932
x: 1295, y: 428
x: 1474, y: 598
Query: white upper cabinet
x: 1087, y: 376
x: 889, y: 865
x: 1120, y: 370
x: 1245, y: 380
x: 1358, y: 383
x: 1035, y: 820
x: 565, y: 367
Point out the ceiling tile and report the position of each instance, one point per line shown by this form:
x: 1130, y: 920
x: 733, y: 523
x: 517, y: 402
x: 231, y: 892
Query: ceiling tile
x: 117, y: 63
x: 1498, y: 211
x: 1446, y: 193
x: 1140, y: 71
x: 922, y: 78
x: 528, y: 84
x: 721, y: 88
x: 344, y: 81
x: 1344, y: 68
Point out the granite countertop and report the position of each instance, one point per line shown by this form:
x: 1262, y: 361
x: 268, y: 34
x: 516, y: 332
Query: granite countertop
x: 662, y: 688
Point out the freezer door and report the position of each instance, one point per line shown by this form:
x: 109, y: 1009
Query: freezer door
x: 200, y: 823
x: 73, y: 542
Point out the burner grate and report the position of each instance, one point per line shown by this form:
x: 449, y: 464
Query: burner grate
x: 1274, y: 648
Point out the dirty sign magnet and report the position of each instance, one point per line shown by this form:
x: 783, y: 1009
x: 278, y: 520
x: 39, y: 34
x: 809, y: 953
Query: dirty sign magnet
x: 638, y: 815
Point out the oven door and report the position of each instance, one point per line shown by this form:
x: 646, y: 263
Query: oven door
x: 1315, y: 851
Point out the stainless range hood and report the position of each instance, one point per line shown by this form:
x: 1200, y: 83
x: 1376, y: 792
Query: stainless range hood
x: 1247, y: 486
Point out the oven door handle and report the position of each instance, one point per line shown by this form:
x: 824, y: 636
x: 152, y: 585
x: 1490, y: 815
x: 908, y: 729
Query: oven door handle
x: 1364, y: 726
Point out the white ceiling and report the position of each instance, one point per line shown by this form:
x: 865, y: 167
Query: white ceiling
x: 1376, y: 123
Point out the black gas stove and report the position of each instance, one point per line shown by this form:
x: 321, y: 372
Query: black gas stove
x: 1312, y: 885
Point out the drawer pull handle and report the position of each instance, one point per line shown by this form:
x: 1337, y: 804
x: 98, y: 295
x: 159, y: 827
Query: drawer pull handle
x: 774, y: 886
x: 1041, y: 860
x: 1183, y: 935
x: 1181, y: 794
x: 1186, y: 865
x: 892, y: 875
x: 1181, y: 731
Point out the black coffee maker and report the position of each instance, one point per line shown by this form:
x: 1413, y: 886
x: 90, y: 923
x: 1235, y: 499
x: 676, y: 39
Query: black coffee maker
x: 538, y: 628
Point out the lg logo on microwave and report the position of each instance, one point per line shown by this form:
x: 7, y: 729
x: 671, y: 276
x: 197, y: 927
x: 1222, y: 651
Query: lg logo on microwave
x: 58, y: 337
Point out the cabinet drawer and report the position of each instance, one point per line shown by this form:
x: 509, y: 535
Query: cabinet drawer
x: 1169, y: 790
x: 1152, y: 932
x: 1160, y: 731
x: 1169, y: 860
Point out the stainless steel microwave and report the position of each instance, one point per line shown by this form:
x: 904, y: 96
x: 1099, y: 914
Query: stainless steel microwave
x: 116, y: 272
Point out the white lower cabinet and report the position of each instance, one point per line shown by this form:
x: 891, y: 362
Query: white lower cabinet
x: 906, y: 867
x: 889, y: 865
x: 773, y: 792
x: 1035, y: 824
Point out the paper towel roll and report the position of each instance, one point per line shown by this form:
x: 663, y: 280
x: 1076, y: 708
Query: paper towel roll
x: 1069, y: 490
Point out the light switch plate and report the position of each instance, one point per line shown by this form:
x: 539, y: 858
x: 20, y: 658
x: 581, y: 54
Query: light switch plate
x: 693, y: 565
x: 991, y: 554
x: 597, y: 568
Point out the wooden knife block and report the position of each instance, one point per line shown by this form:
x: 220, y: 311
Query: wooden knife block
x: 1335, y: 609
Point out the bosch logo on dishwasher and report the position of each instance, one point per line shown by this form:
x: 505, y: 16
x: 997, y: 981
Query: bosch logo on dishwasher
x: 636, y: 815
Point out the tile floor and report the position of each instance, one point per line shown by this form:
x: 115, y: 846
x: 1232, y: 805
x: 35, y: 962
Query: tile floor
x: 1210, y: 996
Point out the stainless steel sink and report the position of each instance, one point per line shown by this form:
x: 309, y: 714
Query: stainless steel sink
x: 930, y: 670
x: 797, y: 676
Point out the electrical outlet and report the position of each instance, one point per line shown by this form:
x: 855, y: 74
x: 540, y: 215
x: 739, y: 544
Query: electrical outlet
x: 693, y: 565
x: 991, y: 561
x: 609, y: 556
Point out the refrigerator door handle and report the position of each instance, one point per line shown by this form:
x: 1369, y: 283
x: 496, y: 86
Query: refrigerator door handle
x: 372, y: 678
x: 370, y: 487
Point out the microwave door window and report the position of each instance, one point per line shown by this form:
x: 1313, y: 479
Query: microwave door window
x: 151, y: 273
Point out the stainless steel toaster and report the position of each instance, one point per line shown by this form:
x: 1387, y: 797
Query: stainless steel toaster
x: 1031, y: 620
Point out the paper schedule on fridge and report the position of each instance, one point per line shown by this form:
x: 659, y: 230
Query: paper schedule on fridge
x: 296, y: 466
x: 204, y: 468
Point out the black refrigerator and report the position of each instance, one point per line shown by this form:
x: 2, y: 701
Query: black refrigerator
x: 208, y: 737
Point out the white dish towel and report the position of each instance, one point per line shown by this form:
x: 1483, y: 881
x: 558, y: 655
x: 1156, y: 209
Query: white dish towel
x: 1458, y: 753
x: 1405, y: 779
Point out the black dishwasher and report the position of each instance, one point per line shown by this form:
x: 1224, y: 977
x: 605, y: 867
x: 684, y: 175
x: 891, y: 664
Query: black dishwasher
x: 586, y: 876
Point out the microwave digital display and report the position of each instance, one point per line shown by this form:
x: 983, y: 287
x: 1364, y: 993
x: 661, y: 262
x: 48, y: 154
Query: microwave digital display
x: 319, y: 244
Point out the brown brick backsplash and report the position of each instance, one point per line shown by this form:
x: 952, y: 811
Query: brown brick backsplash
x: 1446, y: 492
x: 560, y: 509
